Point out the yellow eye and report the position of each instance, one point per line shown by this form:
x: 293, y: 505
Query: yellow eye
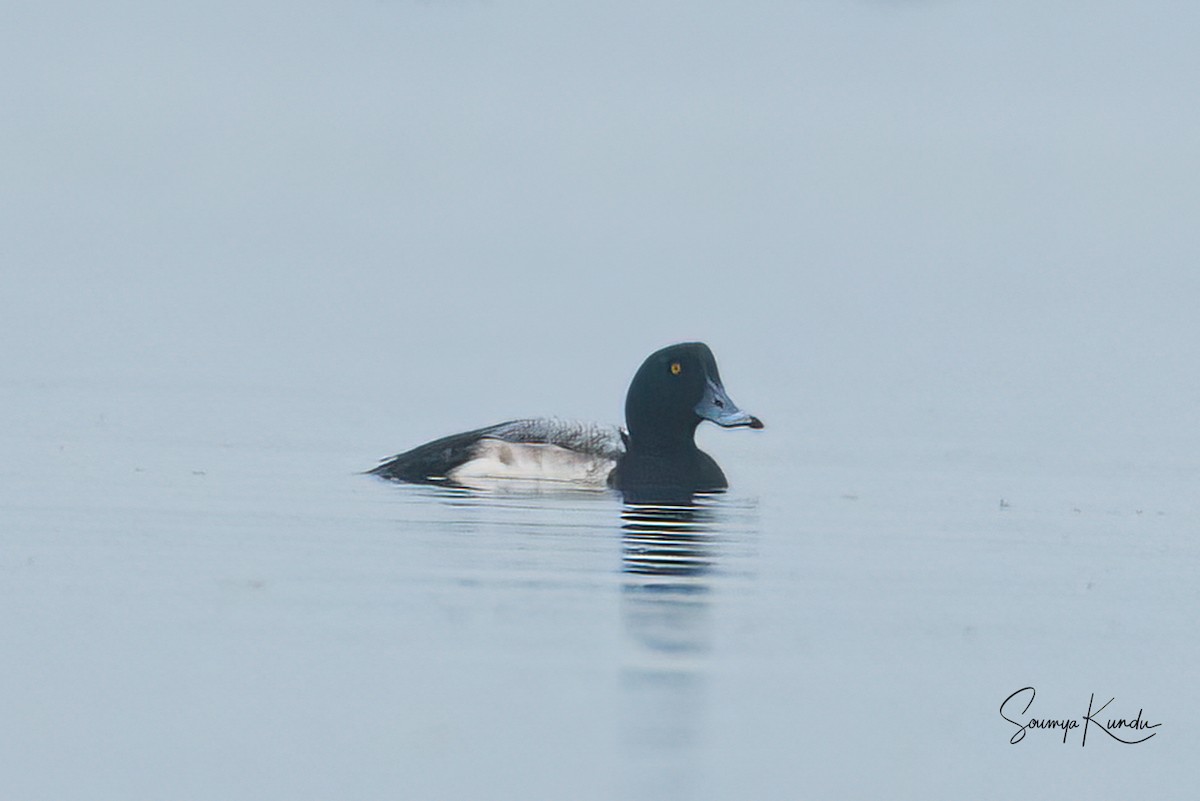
x: 676, y: 368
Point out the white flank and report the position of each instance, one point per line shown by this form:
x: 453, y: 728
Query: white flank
x: 533, y: 461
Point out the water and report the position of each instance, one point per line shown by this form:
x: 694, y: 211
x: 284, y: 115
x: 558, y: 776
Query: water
x: 254, y: 622
x: 945, y: 251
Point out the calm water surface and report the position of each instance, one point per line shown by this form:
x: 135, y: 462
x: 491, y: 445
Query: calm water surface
x: 946, y: 251
x: 242, y: 611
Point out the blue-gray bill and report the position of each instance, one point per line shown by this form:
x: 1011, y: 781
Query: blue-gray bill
x: 716, y: 405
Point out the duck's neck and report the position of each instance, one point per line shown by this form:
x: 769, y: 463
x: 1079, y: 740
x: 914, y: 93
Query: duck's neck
x: 660, y: 439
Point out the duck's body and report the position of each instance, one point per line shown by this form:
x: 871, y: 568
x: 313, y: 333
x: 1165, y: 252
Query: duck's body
x: 674, y: 390
x: 542, y: 449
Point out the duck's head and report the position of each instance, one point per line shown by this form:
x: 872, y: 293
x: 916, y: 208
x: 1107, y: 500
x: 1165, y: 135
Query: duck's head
x: 675, y: 389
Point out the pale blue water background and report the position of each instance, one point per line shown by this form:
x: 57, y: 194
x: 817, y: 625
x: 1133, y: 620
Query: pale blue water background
x: 196, y: 613
x: 946, y: 253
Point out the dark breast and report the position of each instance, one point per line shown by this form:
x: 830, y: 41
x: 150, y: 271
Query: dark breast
x: 691, y: 471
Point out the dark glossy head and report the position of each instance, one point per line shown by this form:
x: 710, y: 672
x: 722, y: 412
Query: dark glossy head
x: 673, y: 390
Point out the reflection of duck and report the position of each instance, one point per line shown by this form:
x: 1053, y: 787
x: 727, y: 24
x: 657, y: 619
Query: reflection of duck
x: 672, y: 555
x: 674, y: 390
x: 666, y: 556
x: 661, y: 540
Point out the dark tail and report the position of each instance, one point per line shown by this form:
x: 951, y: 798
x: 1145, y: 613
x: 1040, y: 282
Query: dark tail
x: 433, y: 461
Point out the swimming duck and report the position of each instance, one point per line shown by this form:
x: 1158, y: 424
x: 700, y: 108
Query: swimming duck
x: 675, y: 389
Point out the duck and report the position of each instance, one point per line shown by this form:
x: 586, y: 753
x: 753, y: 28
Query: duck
x: 675, y: 389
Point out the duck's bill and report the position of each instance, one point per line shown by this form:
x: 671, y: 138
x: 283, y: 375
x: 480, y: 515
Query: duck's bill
x: 716, y: 405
